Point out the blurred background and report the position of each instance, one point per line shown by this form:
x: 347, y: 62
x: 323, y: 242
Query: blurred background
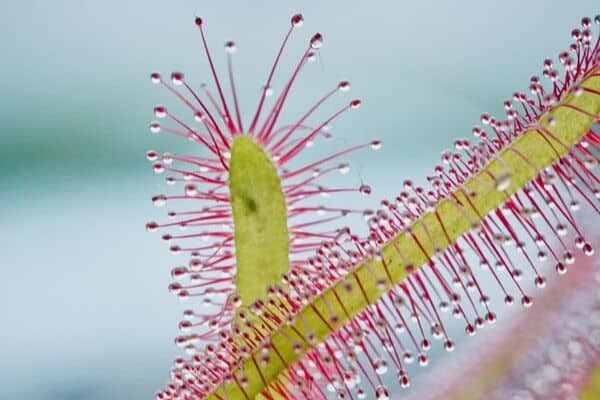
x: 84, y: 310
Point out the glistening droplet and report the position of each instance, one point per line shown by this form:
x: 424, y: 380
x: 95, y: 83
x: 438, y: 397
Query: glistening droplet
x: 316, y: 42
x: 502, y: 182
x: 297, y: 20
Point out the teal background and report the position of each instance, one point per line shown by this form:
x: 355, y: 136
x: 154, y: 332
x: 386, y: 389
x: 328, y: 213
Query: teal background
x: 84, y: 309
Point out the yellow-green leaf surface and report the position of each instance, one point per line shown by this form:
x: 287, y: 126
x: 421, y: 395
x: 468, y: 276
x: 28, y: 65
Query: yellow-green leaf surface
x: 521, y: 161
x: 260, y: 220
x: 592, y: 390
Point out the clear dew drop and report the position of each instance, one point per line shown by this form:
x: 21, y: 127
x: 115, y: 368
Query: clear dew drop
x: 479, y: 322
x: 517, y: 274
x: 167, y: 158
x: 152, y: 226
x: 574, y: 205
x: 178, y: 273
x: 195, y: 265
x: 175, y: 287
x: 376, y: 145
x: 590, y: 163
x: 399, y: 328
x: 177, y: 78
x: 380, y: 367
x: 158, y: 168
x: 236, y: 300
x: 502, y: 182
x: 297, y: 20
x: 185, y: 326
x: 344, y: 168
x: 160, y: 111
x: 569, y: 258
x: 316, y: 42
x: 365, y: 190
x: 230, y: 47
x: 404, y: 381
x: 542, y: 255
x: 470, y: 330
x: 267, y: 91
x: 191, y: 190
x: 444, y: 306
x: 155, y: 77
x: 159, y: 200
x: 155, y: 127
x: 540, y: 282
x: 183, y: 295
x: 344, y: 86
x: 485, y: 118
x: 586, y: 22
x: 151, y: 155
x: 436, y: 332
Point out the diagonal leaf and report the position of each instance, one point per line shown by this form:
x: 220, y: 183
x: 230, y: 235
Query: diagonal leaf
x: 519, y: 163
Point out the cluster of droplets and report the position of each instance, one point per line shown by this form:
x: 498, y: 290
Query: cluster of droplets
x: 553, y: 196
x: 553, y: 350
x: 571, y: 345
x: 204, y: 230
x: 540, y: 213
x: 570, y: 355
x: 534, y: 226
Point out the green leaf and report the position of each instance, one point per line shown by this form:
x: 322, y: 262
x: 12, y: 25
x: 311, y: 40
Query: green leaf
x: 260, y: 220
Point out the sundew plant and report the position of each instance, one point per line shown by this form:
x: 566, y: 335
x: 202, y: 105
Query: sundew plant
x: 283, y: 306
x: 549, y: 353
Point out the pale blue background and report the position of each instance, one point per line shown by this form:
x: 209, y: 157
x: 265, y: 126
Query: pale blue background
x: 84, y: 311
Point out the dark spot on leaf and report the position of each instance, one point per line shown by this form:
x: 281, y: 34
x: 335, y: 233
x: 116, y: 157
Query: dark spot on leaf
x: 250, y: 204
